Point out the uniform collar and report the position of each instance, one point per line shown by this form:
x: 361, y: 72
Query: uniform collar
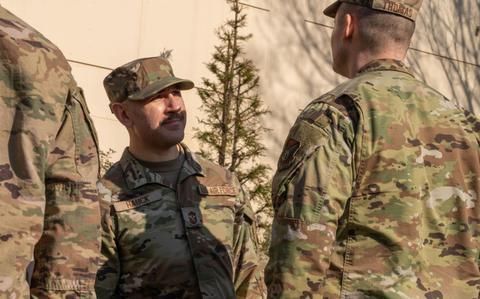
x: 136, y: 175
x: 385, y: 65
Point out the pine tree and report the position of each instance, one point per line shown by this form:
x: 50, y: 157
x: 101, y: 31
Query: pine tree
x: 231, y: 131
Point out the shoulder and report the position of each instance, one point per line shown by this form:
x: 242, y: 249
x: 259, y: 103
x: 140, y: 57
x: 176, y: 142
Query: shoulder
x: 215, y: 173
x: 26, y: 52
x: 381, y: 82
x: 329, y: 114
x: 217, y: 180
x: 28, y: 40
x: 112, y: 182
x: 402, y: 92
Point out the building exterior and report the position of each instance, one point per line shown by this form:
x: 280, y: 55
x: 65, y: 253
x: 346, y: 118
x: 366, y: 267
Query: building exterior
x: 290, y: 45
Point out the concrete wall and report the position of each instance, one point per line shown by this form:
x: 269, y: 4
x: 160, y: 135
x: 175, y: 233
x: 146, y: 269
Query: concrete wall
x: 290, y: 45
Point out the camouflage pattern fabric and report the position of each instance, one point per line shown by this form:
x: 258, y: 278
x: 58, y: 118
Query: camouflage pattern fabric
x: 141, y: 79
x: 198, y: 242
x: 376, y: 194
x: 405, y: 8
x: 50, y: 228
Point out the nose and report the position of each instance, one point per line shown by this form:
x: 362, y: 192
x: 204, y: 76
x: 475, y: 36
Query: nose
x: 173, y: 103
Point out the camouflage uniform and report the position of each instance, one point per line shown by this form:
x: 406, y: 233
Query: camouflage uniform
x: 49, y: 233
x: 189, y: 243
x: 376, y: 194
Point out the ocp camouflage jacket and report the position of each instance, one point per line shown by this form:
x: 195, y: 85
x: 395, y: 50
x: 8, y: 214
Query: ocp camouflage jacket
x: 376, y: 194
x: 50, y: 219
x: 193, y: 240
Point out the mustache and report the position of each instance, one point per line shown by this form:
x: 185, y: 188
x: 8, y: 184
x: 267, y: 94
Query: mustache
x: 175, y: 116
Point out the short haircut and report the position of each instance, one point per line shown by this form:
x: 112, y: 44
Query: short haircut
x: 379, y: 29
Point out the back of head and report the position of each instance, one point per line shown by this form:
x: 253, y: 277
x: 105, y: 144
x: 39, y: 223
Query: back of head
x: 378, y: 30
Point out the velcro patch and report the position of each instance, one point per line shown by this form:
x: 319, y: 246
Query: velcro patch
x: 192, y: 217
x: 227, y: 190
x: 137, y: 201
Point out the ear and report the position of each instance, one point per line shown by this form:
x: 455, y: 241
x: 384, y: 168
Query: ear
x: 122, y: 114
x: 349, y: 26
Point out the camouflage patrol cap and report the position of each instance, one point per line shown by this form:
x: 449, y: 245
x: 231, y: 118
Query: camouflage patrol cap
x: 405, y: 8
x: 141, y: 79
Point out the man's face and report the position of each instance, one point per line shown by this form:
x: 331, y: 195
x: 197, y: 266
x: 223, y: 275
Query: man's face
x: 339, y: 53
x: 160, y: 120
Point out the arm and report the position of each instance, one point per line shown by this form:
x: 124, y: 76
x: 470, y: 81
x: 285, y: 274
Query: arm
x: 248, y: 278
x: 311, y: 189
x: 66, y: 256
x: 25, y: 140
x: 43, y: 211
x: 109, y: 272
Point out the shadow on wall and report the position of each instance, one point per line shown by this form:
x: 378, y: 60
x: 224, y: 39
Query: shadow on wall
x: 297, y: 64
x: 450, y: 28
x: 291, y: 45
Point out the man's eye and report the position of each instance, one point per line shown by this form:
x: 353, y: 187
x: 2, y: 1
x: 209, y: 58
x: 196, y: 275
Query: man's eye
x: 176, y: 92
x: 157, y: 98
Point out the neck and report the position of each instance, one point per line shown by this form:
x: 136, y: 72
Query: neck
x: 363, y: 58
x: 154, y: 155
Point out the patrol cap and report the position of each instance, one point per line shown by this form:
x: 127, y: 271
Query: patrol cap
x: 141, y: 79
x: 405, y: 8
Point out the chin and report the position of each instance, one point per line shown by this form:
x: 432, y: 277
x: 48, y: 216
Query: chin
x: 164, y: 141
x: 173, y: 140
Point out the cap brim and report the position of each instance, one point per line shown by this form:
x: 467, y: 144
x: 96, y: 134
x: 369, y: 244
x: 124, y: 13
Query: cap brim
x: 331, y: 10
x: 160, y: 85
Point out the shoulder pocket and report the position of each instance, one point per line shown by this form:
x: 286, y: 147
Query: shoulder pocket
x: 295, y: 192
x: 85, y: 136
x: 303, y: 140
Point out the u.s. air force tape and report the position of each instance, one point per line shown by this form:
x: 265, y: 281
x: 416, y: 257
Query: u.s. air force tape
x: 227, y: 190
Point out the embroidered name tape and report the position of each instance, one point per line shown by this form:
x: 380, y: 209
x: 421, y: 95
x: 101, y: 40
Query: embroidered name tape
x: 217, y: 190
x: 137, y: 201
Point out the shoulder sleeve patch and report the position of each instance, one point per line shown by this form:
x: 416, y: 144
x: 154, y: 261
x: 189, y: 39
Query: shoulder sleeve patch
x: 227, y: 190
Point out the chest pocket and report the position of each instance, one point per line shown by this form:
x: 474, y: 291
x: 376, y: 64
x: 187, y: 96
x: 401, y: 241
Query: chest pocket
x: 151, y: 216
x: 289, y: 187
x: 217, y: 208
x: 85, y: 137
